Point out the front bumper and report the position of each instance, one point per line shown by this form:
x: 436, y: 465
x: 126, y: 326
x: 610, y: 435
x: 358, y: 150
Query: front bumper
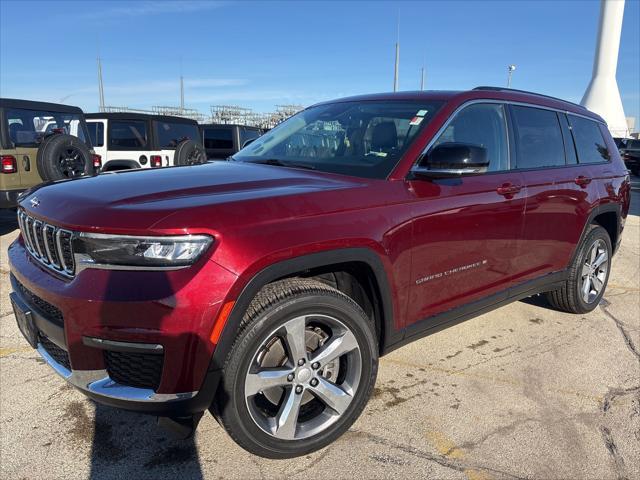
x: 114, y: 311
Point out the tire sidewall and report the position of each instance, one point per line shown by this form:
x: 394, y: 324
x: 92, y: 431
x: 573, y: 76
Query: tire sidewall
x: 234, y: 409
x: 596, y: 233
x: 49, y: 151
x: 184, y: 150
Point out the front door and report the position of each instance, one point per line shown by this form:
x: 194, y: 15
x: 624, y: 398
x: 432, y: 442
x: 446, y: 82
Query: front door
x: 466, y: 229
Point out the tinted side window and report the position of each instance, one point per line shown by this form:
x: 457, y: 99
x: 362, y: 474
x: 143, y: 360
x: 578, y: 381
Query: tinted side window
x: 221, y: 138
x: 481, y: 124
x: 538, y: 138
x: 170, y: 134
x: 127, y: 134
x: 27, y: 128
x: 589, y: 140
x: 96, y: 133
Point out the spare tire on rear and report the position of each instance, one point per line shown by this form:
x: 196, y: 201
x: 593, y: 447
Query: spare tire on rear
x: 189, y: 152
x: 62, y: 156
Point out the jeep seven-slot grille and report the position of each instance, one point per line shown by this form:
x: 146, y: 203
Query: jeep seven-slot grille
x: 50, y: 245
x: 142, y: 370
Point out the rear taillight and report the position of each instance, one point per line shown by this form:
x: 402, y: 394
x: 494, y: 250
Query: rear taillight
x: 156, y: 161
x: 97, y: 160
x: 9, y: 164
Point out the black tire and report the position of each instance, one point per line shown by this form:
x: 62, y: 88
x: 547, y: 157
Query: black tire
x: 189, y: 152
x: 569, y: 298
x: 62, y: 156
x: 273, y: 306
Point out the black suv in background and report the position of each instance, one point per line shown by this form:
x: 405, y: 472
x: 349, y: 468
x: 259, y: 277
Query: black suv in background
x: 222, y: 140
x: 630, y: 152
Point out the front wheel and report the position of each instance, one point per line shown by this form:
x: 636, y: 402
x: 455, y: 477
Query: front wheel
x: 588, y: 275
x: 300, y: 371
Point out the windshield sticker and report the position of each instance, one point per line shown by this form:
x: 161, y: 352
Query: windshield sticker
x: 422, y: 113
x: 416, y: 121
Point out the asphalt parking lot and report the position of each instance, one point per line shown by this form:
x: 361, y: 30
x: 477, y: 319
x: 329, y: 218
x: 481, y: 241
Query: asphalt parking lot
x: 521, y: 392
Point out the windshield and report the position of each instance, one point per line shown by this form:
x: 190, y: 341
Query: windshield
x: 363, y: 139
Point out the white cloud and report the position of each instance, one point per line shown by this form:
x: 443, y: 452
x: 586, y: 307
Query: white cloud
x: 147, y: 8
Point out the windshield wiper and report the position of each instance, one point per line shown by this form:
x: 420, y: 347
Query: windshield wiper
x: 280, y: 163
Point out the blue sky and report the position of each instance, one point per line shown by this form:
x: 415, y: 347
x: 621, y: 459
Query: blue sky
x: 259, y: 54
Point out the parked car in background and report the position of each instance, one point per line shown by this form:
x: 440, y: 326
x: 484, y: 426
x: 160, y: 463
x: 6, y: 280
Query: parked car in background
x: 630, y: 152
x: 41, y: 142
x: 266, y: 288
x: 222, y: 140
x: 135, y: 140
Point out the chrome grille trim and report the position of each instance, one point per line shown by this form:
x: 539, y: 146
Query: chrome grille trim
x: 48, y: 244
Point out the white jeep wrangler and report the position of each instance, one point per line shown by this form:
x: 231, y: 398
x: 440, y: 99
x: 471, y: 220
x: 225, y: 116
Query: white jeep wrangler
x: 134, y: 140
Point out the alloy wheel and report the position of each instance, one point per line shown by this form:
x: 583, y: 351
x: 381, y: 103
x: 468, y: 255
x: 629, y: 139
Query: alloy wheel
x: 71, y: 162
x: 594, y: 271
x: 303, y: 377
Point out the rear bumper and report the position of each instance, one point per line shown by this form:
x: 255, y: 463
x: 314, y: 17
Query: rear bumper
x: 9, y: 198
x: 99, y: 312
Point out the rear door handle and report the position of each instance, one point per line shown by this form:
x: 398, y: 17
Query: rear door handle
x: 582, y: 181
x: 508, y: 189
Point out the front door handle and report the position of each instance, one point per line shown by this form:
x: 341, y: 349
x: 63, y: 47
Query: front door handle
x: 582, y: 181
x: 508, y: 189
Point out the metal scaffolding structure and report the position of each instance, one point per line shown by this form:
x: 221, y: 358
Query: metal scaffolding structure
x: 222, y: 114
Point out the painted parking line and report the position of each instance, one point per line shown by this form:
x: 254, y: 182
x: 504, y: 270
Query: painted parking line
x: 447, y: 448
x: 6, y: 351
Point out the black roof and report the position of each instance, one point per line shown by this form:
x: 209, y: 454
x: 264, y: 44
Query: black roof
x: 218, y: 125
x: 34, y: 105
x: 137, y: 116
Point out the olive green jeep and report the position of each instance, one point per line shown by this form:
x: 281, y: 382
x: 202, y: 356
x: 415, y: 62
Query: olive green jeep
x: 41, y: 142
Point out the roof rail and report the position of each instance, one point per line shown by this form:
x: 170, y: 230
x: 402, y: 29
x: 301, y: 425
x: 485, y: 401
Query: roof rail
x: 501, y: 89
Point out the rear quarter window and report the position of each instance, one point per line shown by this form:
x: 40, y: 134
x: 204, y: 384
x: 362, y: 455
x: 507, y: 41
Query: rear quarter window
x: 127, y: 134
x: 170, y: 134
x: 590, y: 144
x: 538, y: 138
x: 218, y: 138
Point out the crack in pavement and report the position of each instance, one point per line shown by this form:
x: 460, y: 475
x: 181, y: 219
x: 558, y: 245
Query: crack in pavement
x: 618, y: 323
x: 443, y: 461
x: 611, y: 395
x: 613, y: 452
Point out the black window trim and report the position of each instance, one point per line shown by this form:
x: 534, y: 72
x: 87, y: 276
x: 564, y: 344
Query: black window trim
x: 512, y: 155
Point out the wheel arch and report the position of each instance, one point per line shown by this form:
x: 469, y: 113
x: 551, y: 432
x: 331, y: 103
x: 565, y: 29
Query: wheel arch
x: 315, y: 265
x: 606, y: 215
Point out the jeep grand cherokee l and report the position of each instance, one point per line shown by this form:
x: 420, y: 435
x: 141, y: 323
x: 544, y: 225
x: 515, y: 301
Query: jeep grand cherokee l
x: 264, y: 289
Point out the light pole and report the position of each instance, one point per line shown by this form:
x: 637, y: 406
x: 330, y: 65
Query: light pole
x: 510, y: 70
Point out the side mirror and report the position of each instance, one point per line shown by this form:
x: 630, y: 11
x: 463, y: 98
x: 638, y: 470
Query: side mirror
x: 453, y: 159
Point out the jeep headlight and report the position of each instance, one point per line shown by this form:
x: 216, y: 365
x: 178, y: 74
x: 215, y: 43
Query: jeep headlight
x: 104, y: 250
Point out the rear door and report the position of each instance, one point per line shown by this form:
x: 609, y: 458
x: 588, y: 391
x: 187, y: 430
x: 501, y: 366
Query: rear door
x: 466, y: 228
x: 558, y: 190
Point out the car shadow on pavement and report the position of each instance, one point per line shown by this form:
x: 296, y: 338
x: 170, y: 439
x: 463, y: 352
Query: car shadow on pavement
x: 131, y: 445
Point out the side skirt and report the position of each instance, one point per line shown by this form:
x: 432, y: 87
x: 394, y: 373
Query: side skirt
x: 441, y: 321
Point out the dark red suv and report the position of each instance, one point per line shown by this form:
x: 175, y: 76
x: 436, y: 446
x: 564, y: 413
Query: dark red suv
x: 265, y: 288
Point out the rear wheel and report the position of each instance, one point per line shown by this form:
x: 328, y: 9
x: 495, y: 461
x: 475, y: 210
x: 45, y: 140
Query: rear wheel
x: 300, y: 372
x: 588, y: 275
